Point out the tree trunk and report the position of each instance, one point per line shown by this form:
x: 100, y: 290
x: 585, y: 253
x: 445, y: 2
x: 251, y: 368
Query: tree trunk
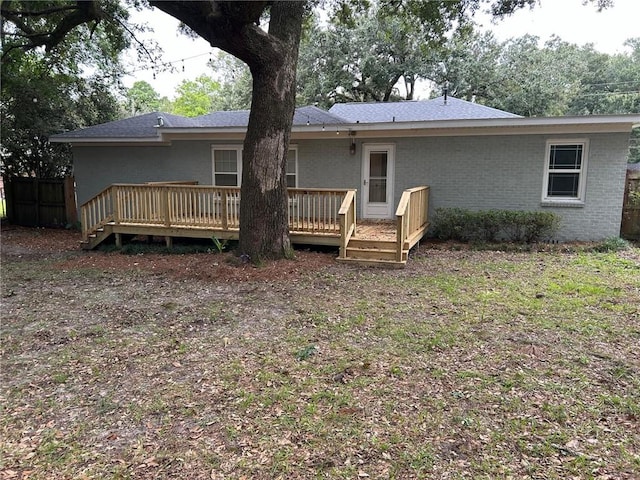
x: 272, y: 58
x: 264, y: 224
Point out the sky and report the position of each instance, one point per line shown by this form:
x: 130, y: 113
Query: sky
x: 569, y: 19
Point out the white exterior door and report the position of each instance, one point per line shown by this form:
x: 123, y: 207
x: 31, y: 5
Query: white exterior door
x: 378, y: 162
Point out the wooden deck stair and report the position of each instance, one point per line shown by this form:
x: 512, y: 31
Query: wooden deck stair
x: 96, y: 237
x: 375, y: 244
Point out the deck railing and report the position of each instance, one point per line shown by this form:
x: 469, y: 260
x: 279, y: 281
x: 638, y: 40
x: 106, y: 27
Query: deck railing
x: 97, y: 212
x: 347, y: 215
x: 197, y: 206
x: 315, y: 210
x: 411, y: 217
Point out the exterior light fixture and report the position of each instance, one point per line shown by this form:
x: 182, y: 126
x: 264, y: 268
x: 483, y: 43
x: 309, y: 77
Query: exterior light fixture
x: 352, y: 145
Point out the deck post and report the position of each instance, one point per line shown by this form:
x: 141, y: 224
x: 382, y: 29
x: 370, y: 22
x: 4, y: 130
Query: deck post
x: 355, y: 210
x: 118, y: 240
x: 169, y: 242
x: 400, y: 237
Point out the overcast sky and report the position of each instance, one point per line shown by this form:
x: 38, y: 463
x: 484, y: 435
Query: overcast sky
x: 568, y: 19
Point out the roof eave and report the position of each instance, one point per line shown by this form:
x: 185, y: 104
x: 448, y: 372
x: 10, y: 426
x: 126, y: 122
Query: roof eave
x: 106, y: 140
x: 485, y: 126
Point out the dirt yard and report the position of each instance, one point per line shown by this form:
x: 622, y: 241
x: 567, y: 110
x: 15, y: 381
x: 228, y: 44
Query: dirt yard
x: 466, y: 364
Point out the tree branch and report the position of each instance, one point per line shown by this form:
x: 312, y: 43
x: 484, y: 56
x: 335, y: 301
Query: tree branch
x: 39, y: 13
x: 83, y: 12
x: 86, y: 12
x: 230, y: 26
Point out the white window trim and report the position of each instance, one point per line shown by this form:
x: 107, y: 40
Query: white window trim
x: 237, y: 148
x: 294, y: 148
x: 582, y: 181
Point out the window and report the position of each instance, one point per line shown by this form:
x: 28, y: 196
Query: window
x: 292, y: 167
x: 565, y: 171
x: 227, y: 166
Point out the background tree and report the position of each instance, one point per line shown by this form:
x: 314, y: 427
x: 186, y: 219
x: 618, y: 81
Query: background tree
x: 142, y: 98
x: 516, y: 75
x: 558, y: 78
x: 196, y: 97
x: 46, y: 48
x: 235, y: 83
x: 468, y: 65
x: 361, y: 56
x: 38, y: 102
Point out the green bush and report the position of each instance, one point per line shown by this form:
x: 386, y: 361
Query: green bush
x: 613, y: 244
x: 485, y: 226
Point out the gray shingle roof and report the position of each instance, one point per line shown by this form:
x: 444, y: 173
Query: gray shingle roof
x: 145, y: 126
x: 316, y: 116
x: 142, y: 126
x: 240, y: 118
x: 416, y: 111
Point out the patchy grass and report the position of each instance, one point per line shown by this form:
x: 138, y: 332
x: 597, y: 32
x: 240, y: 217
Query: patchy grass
x: 466, y: 364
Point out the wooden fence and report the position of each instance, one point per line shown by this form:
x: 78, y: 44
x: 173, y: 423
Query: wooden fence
x: 630, y: 227
x: 40, y: 202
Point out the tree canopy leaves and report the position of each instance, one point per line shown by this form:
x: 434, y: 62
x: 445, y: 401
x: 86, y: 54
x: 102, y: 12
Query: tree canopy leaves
x: 60, y: 65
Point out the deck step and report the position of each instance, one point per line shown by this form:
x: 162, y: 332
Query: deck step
x: 95, y: 238
x: 372, y: 244
x: 374, y: 263
x: 371, y: 253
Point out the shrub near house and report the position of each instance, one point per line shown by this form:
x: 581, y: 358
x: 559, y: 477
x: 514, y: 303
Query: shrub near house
x: 494, y: 225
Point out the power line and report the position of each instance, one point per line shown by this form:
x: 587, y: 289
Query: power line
x: 597, y: 94
x: 632, y: 82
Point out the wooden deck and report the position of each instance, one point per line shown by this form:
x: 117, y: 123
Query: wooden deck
x: 316, y: 216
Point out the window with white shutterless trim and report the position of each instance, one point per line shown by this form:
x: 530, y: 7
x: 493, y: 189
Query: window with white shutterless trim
x: 227, y: 165
x: 565, y: 172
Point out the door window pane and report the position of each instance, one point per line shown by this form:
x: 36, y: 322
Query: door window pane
x: 378, y: 190
x: 378, y: 164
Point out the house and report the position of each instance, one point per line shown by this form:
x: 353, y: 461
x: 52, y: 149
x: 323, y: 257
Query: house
x: 471, y: 156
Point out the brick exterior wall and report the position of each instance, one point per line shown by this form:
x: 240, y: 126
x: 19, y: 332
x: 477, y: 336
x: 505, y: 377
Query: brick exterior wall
x: 481, y: 172
x: 486, y: 172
